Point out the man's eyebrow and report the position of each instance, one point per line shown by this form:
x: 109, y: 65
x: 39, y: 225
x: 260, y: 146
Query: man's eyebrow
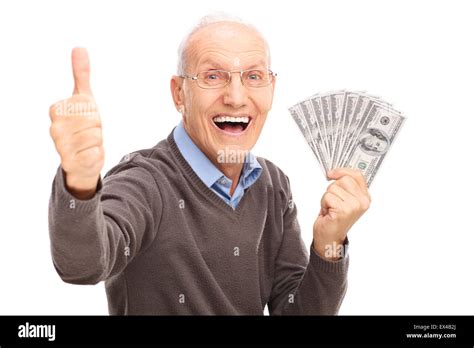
x: 212, y: 63
x: 218, y: 66
x: 258, y: 65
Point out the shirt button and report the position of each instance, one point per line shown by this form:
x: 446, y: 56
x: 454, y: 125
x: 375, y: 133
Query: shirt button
x: 223, y: 181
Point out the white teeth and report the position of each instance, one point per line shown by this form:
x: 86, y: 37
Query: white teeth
x: 243, y: 119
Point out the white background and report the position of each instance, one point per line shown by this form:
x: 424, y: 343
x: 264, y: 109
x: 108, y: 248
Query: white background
x: 410, y: 254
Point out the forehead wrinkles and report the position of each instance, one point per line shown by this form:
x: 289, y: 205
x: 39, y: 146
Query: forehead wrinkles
x: 229, y: 58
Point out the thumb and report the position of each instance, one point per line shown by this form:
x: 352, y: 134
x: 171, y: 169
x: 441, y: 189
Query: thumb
x: 81, y: 71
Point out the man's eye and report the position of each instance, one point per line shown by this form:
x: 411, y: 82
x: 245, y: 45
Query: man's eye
x: 212, y: 75
x: 255, y: 75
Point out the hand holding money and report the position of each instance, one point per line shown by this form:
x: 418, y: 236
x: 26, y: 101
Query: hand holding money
x: 343, y: 203
x: 76, y: 130
x: 350, y: 134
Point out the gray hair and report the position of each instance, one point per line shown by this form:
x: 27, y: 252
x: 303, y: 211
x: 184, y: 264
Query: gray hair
x: 209, y: 19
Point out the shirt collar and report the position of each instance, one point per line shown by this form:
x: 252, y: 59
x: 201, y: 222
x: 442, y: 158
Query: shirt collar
x: 204, y: 168
x: 251, y: 171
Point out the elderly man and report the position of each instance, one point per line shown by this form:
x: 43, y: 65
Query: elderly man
x: 182, y: 228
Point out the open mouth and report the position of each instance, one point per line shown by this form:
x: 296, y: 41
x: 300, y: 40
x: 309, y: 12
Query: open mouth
x: 232, y: 124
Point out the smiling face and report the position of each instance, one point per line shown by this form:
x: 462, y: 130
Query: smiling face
x: 229, y: 118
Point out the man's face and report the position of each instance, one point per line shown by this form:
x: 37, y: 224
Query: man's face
x: 225, y: 46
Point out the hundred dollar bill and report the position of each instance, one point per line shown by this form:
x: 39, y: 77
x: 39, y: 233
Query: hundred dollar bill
x: 326, y: 112
x: 316, y: 107
x: 314, y: 126
x: 361, y: 110
x: 336, y: 107
x: 350, y: 100
x: 374, y: 140
x: 304, y: 128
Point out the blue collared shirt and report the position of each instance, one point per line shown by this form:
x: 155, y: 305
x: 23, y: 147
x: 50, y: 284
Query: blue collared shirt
x: 208, y: 172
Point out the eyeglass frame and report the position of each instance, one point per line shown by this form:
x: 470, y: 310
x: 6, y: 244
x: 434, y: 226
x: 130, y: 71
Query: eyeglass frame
x: 229, y: 74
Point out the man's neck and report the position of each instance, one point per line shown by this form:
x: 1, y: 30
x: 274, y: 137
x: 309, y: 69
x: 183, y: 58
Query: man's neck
x: 232, y: 171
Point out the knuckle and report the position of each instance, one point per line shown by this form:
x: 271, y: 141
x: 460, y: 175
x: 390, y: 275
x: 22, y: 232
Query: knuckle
x: 54, y: 131
x: 366, y: 204
x: 88, y: 159
x: 332, y: 188
x: 101, y: 154
x: 347, y: 180
x: 356, y: 206
x: 52, y: 110
x: 61, y: 146
x: 325, y: 197
x: 92, y: 137
x: 98, y: 135
x: 364, y: 207
x: 59, y: 108
x: 350, y: 206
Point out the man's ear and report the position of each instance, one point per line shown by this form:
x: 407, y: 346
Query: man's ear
x: 176, y: 87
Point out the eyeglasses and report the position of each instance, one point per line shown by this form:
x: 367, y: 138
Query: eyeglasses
x: 221, y: 78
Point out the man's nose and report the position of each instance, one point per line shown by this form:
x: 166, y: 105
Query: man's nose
x: 235, y: 93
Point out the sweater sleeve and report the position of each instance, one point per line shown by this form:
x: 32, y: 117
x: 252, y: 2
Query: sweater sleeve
x: 93, y: 240
x: 305, y: 284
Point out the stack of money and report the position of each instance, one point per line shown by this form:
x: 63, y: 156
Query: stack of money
x: 348, y: 129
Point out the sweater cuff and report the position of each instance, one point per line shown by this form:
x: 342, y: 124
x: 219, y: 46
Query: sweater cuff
x: 66, y: 200
x: 338, y: 266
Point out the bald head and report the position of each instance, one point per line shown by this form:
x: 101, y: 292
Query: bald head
x: 218, y: 28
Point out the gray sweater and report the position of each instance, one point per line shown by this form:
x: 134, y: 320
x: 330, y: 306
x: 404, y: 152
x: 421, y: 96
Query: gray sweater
x: 164, y: 243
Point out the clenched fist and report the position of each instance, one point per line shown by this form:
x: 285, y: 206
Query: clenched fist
x: 76, y: 130
x: 343, y: 203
